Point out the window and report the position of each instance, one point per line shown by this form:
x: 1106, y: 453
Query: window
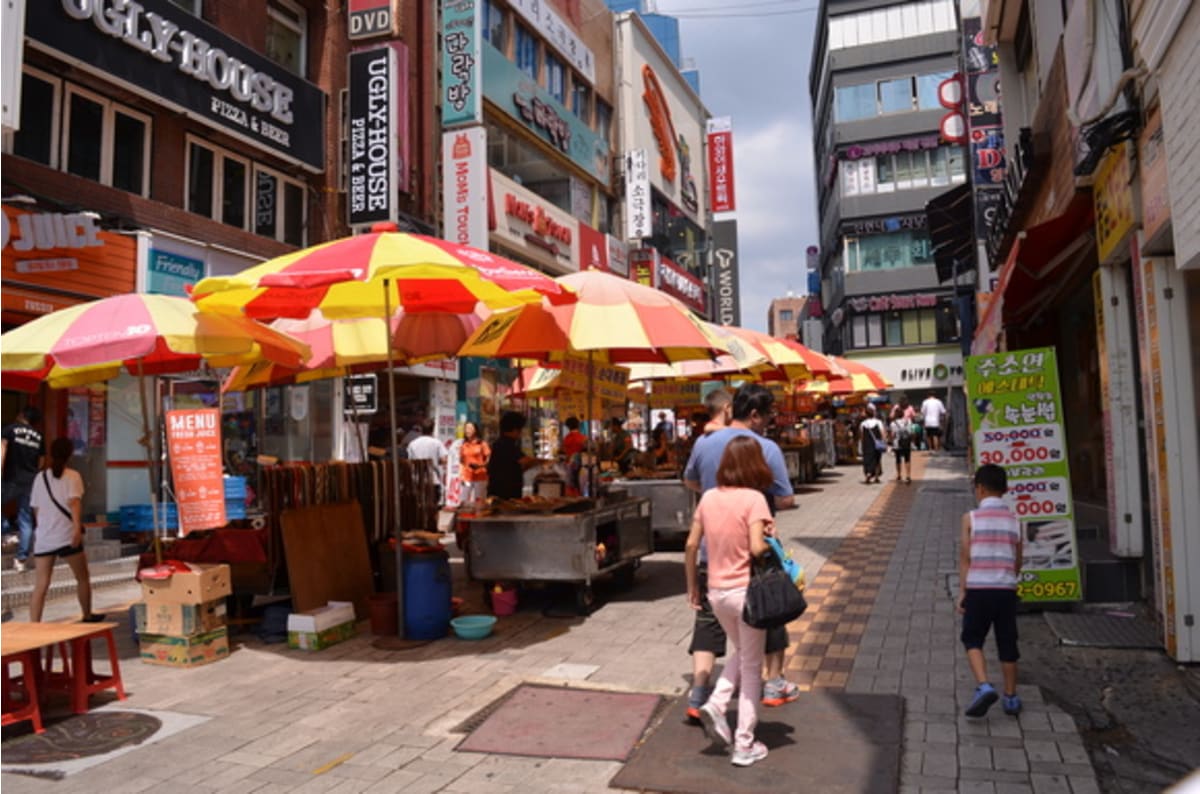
x: 855, y: 102
x: 217, y: 184
x: 493, y: 26
x: 896, y: 96
x: 233, y: 192
x: 603, y: 118
x: 39, y: 119
x: 892, y: 24
x: 556, y: 83
x: 200, y: 189
x: 927, y: 89
x: 905, y: 327
x: 893, y: 329
x: 785, y: 315
x: 106, y: 142
x: 278, y: 215
x: 287, y: 24
x: 526, y: 52
x: 581, y: 100
x: 903, y: 171
x: 890, y: 251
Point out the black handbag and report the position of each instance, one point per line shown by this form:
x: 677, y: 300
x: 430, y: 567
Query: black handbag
x: 772, y: 599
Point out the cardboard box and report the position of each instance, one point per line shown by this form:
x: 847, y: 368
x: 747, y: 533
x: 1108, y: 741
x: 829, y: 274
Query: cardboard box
x: 185, y: 651
x: 203, y: 583
x: 319, y: 628
x: 178, y: 620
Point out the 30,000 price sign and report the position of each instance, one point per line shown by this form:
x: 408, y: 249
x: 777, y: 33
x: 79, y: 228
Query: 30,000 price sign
x: 1016, y: 423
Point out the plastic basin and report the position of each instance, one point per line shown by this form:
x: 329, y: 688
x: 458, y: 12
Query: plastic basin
x: 473, y: 627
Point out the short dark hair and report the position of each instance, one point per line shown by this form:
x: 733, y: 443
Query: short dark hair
x: 750, y: 398
x: 572, y: 423
x: 32, y: 414
x: 427, y: 427
x: 744, y: 466
x: 511, y: 420
x: 716, y: 401
x: 991, y: 478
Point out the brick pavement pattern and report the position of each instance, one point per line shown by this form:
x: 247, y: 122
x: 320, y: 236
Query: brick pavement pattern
x: 881, y: 562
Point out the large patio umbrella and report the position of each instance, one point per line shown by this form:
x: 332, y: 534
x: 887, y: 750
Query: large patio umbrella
x: 143, y: 335
x: 614, y: 320
x: 860, y: 379
x: 821, y: 365
x: 788, y: 364
x: 368, y: 275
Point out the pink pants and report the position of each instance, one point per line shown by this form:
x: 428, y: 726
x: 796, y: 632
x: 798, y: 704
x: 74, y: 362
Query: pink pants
x: 743, y: 667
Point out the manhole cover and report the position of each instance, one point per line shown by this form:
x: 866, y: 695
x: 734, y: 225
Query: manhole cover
x: 82, y: 735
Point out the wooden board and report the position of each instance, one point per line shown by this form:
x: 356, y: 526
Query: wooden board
x: 327, y: 557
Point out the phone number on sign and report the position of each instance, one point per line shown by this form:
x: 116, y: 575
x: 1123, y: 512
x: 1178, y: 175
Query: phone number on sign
x: 1047, y: 589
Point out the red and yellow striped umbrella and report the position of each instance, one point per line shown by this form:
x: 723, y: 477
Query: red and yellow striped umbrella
x: 860, y: 379
x: 140, y: 333
x: 788, y: 363
x: 344, y: 278
x: 821, y: 365
x: 615, y: 320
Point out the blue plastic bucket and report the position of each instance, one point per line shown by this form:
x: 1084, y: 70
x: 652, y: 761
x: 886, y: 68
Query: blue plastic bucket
x: 426, y: 594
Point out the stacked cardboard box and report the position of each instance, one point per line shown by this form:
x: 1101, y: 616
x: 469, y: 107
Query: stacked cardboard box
x: 181, y: 622
x: 319, y: 628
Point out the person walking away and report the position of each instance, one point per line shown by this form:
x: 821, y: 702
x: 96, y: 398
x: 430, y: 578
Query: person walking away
x: 750, y: 412
x: 573, y: 445
x: 508, y: 462
x: 427, y: 447
x: 989, y: 562
x: 872, y: 439
x: 57, y: 501
x: 901, y: 435
x: 473, y: 456
x: 22, y: 454
x: 933, y: 418
x: 733, y: 519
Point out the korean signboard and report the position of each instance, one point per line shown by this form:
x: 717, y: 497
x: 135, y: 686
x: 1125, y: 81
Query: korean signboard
x: 194, y: 446
x: 638, y: 215
x: 678, y: 283
x: 554, y: 30
x: 156, y: 47
x: 643, y: 263
x: 1017, y: 423
x: 593, y: 249
x: 369, y: 18
x: 725, y: 283
x: 464, y: 186
x: 378, y: 123
x: 1113, y: 195
x: 462, y: 101
x: 720, y: 164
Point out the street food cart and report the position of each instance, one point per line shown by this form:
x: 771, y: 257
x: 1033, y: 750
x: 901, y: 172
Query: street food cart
x: 671, y: 505
x: 559, y: 540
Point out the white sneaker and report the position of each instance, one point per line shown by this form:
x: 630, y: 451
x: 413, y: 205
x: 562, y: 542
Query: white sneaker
x: 20, y: 565
x: 756, y: 752
x: 716, y: 726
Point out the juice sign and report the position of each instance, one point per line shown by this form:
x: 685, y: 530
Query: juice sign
x: 1016, y: 423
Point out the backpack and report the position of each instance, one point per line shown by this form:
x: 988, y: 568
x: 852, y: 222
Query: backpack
x: 903, y: 434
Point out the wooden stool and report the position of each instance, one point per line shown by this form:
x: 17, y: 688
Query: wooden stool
x: 14, y: 712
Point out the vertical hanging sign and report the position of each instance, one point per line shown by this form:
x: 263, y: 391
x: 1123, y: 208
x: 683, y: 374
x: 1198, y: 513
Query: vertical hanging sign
x: 194, y: 445
x: 369, y: 18
x: 1017, y: 423
x: 462, y: 54
x: 637, y: 195
x: 720, y: 164
x: 373, y: 178
x: 464, y: 186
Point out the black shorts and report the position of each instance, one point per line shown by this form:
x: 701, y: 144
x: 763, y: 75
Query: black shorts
x: 707, y: 634
x: 62, y: 551
x: 986, y: 609
x: 933, y: 432
x: 903, y: 454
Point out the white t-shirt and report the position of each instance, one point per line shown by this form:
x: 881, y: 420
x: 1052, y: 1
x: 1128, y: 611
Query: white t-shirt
x: 54, y: 529
x: 428, y: 448
x: 932, y: 410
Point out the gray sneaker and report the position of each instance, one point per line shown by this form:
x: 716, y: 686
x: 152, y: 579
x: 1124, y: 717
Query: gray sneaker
x: 716, y: 726
x: 756, y: 752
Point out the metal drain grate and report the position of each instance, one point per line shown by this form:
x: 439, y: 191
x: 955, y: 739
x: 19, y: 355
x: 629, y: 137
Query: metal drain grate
x: 477, y: 719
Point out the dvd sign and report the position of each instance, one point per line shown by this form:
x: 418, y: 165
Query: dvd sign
x: 369, y: 18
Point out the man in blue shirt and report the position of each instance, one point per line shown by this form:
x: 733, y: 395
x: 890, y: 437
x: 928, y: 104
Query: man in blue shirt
x: 752, y: 414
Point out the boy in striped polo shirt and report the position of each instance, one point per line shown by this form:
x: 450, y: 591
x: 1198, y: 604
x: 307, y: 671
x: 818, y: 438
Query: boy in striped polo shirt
x: 989, y: 562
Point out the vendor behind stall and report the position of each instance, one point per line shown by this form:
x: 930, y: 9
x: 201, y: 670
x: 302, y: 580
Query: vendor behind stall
x: 622, y: 451
x: 507, y: 465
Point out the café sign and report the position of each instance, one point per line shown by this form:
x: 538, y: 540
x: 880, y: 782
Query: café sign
x: 156, y: 48
x: 883, y: 303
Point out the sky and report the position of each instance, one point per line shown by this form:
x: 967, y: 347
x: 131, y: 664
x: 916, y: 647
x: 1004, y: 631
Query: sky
x: 753, y: 61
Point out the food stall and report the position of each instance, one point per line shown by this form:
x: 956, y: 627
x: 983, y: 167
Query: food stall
x: 671, y: 504
x: 559, y: 540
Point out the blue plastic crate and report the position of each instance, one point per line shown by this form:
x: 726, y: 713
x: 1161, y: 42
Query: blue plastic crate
x: 235, y: 488
x: 235, y: 509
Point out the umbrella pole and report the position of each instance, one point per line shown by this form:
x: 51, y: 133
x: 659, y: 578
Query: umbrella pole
x: 592, y: 479
x: 387, y: 331
x: 149, y: 464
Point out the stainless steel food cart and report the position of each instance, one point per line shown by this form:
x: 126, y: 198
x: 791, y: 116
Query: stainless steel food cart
x: 671, y: 505
x: 561, y: 547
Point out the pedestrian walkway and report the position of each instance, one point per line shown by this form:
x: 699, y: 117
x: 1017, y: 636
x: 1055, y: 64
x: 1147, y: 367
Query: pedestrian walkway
x: 879, y: 559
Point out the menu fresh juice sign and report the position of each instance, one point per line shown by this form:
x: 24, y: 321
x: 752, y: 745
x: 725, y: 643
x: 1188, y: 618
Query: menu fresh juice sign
x: 1016, y: 423
x: 194, y: 444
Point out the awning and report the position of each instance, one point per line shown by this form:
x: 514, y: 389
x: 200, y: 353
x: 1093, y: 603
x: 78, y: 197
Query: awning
x: 950, y: 217
x: 1038, y: 268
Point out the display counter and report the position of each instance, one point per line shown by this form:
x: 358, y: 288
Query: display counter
x: 560, y: 547
x: 800, y: 461
x: 671, y: 505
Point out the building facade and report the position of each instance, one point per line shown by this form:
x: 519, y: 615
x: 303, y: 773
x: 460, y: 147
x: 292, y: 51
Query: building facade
x: 875, y: 82
x: 785, y: 315
x: 1096, y: 252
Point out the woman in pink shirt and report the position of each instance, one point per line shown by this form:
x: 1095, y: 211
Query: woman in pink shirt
x: 733, y: 519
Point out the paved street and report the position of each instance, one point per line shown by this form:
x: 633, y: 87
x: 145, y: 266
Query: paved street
x: 354, y: 718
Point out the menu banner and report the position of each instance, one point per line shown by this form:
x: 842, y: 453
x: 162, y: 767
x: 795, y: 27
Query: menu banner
x: 194, y: 445
x: 1017, y: 423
